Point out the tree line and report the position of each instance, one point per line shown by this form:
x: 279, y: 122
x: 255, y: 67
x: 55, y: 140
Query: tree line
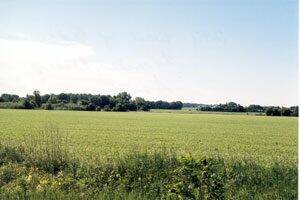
x: 70, y: 101
x: 124, y: 102
x: 268, y: 110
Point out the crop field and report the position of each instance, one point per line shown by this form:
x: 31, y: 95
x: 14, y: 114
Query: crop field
x: 146, y: 155
x: 111, y: 134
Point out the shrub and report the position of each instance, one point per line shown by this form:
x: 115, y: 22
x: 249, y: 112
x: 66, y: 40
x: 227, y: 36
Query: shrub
x: 28, y: 104
x: 106, y: 108
x: 11, y: 105
x: 91, y: 107
x: 98, y: 108
x: 286, y: 112
x: 68, y: 106
x: 47, y: 106
x: 10, y: 154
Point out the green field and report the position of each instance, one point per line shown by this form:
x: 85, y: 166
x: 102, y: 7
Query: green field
x: 106, y: 134
x: 146, y: 155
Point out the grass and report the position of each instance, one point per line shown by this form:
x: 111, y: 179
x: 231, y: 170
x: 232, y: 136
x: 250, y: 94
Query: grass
x: 111, y: 134
x: 159, y: 175
x: 138, y: 155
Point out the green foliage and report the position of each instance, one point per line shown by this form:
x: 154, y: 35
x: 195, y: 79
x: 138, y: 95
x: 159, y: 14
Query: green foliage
x: 37, y: 98
x: 204, y: 179
x: 10, y: 154
x: 91, y: 107
x: 159, y: 175
x: 28, y: 104
x: 11, y: 105
x: 277, y: 111
x: 228, y: 107
x: 68, y: 101
x: 122, y: 101
x: 47, y: 106
x: 9, y: 98
x: 255, y: 108
x: 142, y: 104
x: 69, y: 106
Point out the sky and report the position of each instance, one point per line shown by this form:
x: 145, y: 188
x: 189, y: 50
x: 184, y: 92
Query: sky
x: 204, y: 51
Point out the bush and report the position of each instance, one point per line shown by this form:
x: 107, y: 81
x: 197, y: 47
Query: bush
x: 47, y: 106
x: 106, y: 108
x: 28, y: 104
x: 273, y: 111
x: 11, y: 105
x: 286, y: 112
x: 69, y: 106
x: 98, y: 108
x: 91, y: 107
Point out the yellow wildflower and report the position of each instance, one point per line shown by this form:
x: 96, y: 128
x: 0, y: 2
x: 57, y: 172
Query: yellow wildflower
x: 29, y: 178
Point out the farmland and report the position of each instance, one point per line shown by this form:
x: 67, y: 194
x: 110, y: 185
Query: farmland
x: 145, y: 155
x: 264, y: 139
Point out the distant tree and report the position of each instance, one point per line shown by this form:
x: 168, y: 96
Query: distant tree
x: 49, y: 106
x: 84, y: 102
x: 104, y: 100
x: 273, y: 111
x: 177, y: 105
x: 205, y: 108
x: 286, y: 112
x: 231, y: 107
x: 53, y: 99
x: 122, y: 101
x: 132, y: 106
x: 119, y: 107
x: 276, y: 112
x: 255, y: 108
x: 107, y: 108
x: 95, y: 99
x: 295, y: 111
x: 37, y: 98
x: 73, y: 98
x: 240, y: 108
x: 27, y: 104
x: 63, y: 97
x: 141, y: 104
x: 91, y: 107
x: 45, y: 98
x: 9, y: 98
x: 269, y: 111
x: 98, y: 108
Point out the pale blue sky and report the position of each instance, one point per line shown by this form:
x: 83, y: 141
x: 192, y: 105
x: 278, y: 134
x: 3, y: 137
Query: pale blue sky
x: 194, y: 51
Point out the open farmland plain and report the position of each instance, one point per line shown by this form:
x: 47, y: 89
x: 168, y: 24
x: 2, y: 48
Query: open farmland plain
x: 110, y: 155
x: 265, y: 139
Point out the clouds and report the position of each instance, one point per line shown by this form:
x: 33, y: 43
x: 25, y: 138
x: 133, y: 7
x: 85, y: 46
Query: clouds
x: 20, y: 52
x: 61, y: 67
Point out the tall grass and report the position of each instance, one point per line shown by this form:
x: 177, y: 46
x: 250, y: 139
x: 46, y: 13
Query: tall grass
x: 48, y: 150
x: 43, y: 168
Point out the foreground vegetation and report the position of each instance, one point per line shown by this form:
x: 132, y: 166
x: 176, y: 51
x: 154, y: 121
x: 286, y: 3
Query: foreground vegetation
x: 44, y: 168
